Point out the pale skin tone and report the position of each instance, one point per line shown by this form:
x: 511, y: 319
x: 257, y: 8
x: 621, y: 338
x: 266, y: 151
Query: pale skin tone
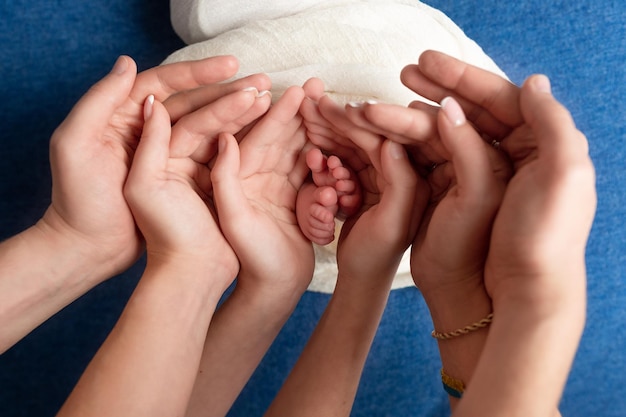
x: 333, y: 192
x: 171, y: 201
x: 535, y: 261
x: 83, y: 239
x: 160, y: 334
x: 257, y: 181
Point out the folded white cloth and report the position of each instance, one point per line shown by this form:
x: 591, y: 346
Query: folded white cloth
x: 357, y: 48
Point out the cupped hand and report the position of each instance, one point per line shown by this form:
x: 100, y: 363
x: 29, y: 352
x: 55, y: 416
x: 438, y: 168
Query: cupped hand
x: 537, y: 253
x: 255, y: 186
x: 466, y: 179
x: 452, y: 242
x: 394, y: 197
x: 92, y: 149
x: 169, y: 198
x: 531, y: 129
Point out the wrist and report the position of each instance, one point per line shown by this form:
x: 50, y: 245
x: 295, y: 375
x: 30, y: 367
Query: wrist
x: 541, y: 294
x: 276, y: 298
x: 95, y: 260
x: 454, y: 307
x: 198, y: 271
x: 42, y: 273
x: 82, y: 263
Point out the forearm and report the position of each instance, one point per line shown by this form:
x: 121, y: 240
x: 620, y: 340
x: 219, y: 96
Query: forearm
x: 147, y: 365
x: 523, y: 369
x: 529, y: 351
x: 41, y: 272
x: 455, y: 308
x: 240, y: 334
x: 325, y: 379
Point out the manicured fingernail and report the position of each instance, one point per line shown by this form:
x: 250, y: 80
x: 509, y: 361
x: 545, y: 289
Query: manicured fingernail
x: 251, y: 89
x: 147, y: 107
x: 453, y: 111
x: 121, y: 65
x: 355, y: 104
x: 396, y: 150
x: 541, y: 84
x: 257, y: 93
x: 371, y: 102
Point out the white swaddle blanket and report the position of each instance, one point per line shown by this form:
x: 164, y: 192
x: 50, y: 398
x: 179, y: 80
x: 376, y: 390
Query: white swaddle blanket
x: 358, y: 49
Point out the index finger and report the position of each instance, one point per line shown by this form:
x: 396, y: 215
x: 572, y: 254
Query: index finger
x: 486, y: 97
x: 165, y: 80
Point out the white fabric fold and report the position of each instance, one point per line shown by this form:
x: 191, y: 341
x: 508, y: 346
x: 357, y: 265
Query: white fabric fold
x: 358, y: 49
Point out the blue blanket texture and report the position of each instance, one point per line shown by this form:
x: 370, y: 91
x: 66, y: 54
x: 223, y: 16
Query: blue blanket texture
x: 53, y: 51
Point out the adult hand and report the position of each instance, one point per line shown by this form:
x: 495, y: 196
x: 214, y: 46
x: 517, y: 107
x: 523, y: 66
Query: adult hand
x: 92, y: 149
x: 541, y: 230
x: 535, y: 270
x: 161, y: 332
x: 255, y: 188
x: 370, y: 247
x: 464, y: 191
x: 88, y: 233
x: 503, y: 112
x: 393, y: 196
x: 169, y: 199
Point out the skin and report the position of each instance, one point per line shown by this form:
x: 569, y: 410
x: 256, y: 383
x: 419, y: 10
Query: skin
x: 334, y: 192
x: 83, y: 239
x: 255, y: 185
x: 535, y: 230
x: 325, y: 378
x: 160, y: 334
x: 454, y: 223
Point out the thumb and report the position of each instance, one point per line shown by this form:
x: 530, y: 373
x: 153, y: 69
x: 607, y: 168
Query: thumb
x: 95, y: 108
x: 152, y: 152
x: 472, y: 166
x: 558, y: 139
x: 399, y: 196
x: 228, y: 194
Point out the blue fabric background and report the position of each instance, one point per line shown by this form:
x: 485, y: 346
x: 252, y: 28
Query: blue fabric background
x: 53, y: 51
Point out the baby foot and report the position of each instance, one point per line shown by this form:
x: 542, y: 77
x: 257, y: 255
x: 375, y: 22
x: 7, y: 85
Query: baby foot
x: 334, y: 193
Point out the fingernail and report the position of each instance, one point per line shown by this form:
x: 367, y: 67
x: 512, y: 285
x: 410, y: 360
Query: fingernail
x: 147, y: 107
x: 371, y: 102
x: 221, y: 144
x: 453, y: 111
x: 541, y: 84
x: 257, y: 93
x: 251, y: 89
x: 355, y: 104
x: 396, y: 150
x: 121, y: 65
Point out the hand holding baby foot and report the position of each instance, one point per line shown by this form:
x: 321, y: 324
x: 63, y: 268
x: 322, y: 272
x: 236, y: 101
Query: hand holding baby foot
x: 255, y: 185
